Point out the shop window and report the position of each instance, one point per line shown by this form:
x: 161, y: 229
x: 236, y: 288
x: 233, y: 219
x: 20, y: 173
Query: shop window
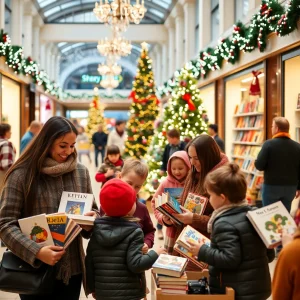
x: 292, y: 92
x: 215, y: 20
x: 244, y: 124
x: 241, y: 9
x: 11, y: 109
x: 208, y: 97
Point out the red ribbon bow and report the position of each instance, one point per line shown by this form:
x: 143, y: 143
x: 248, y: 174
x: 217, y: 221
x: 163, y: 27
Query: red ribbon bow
x: 188, y: 98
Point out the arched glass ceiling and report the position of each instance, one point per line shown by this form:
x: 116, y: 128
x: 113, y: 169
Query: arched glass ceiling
x: 81, y: 11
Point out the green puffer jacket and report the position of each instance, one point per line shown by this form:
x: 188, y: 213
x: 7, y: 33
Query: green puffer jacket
x: 237, y: 257
x: 115, y: 263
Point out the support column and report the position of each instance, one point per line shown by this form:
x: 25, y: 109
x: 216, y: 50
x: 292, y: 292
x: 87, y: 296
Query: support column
x: 189, y: 7
x: 164, y: 62
x: 179, y: 30
x: 53, y: 66
x: 158, y: 64
x: 36, y: 48
x: 17, y: 22
x: 2, y: 14
x: 226, y: 15
x: 204, y: 23
x: 253, y: 4
x: 171, y: 45
x: 27, y: 35
x: 43, y: 56
x: 48, y: 67
x: 57, y: 64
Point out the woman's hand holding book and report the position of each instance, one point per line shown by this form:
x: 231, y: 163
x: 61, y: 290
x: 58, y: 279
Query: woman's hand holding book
x: 50, y: 255
x: 186, y: 217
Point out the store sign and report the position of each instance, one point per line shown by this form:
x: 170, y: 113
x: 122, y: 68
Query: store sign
x: 96, y: 79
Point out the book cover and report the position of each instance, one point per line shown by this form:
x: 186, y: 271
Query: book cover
x: 191, y: 234
x: 36, y: 228
x: 76, y: 203
x: 270, y: 222
x: 195, y: 203
x: 174, y: 192
x: 170, y: 265
x: 57, y: 225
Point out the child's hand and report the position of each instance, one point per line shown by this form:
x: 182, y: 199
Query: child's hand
x: 186, y: 217
x: 109, y: 173
x: 160, y: 250
x: 145, y: 248
x: 195, y: 247
x: 89, y: 227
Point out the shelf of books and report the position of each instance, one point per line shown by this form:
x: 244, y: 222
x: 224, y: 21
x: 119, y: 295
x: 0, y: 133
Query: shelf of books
x: 248, y: 136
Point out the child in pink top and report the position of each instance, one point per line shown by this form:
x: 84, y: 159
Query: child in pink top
x: 178, y: 168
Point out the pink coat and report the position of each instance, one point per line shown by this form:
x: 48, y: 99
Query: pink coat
x: 169, y: 182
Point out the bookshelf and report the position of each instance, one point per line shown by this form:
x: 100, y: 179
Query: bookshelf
x: 248, y: 136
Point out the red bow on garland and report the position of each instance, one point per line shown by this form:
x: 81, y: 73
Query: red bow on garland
x: 188, y: 98
x: 132, y: 96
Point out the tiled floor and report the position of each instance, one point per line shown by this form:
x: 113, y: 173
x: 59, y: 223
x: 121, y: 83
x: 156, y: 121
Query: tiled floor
x: 96, y: 189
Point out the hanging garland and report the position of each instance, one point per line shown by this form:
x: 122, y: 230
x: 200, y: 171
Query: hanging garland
x: 272, y: 17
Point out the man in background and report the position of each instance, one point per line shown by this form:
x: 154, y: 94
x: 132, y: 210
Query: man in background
x: 99, y: 139
x: 213, y: 132
x: 279, y: 158
x: 118, y: 136
x: 34, y: 128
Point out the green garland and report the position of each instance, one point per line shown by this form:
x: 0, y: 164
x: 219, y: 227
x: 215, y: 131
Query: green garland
x: 272, y: 17
x: 14, y: 58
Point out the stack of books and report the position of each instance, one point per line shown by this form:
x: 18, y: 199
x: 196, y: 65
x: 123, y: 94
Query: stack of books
x: 171, y: 277
x: 49, y: 230
x: 182, y: 247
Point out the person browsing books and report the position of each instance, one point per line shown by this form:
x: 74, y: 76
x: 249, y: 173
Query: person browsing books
x: 178, y: 169
x: 115, y: 263
x: 237, y: 256
x: 112, y: 165
x: 205, y: 157
x: 135, y: 173
x: 34, y: 185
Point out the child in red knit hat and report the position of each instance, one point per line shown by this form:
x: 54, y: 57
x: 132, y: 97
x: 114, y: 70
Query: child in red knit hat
x: 115, y: 264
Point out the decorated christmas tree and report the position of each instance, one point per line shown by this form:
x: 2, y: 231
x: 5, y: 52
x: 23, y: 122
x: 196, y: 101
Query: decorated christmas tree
x: 95, y: 117
x: 183, y: 112
x: 143, y: 110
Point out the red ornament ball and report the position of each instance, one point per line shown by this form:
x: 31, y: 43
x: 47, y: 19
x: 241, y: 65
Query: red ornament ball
x: 144, y: 141
x: 183, y: 83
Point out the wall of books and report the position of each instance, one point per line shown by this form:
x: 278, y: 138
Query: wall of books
x: 292, y: 94
x: 244, y: 121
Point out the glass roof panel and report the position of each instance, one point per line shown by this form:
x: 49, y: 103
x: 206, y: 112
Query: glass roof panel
x: 67, y: 5
x: 51, y: 11
x: 43, y: 3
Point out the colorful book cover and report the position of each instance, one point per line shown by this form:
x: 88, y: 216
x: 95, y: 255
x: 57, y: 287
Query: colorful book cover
x: 36, y: 228
x: 174, y: 203
x: 174, y: 192
x: 76, y: 203
x: 169, y: 262
x: 191, y: 234
x: 57, y: 225
x: 195, y: 203
x: 270, y: 222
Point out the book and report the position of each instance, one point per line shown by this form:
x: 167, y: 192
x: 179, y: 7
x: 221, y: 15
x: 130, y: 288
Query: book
x: 63, y: 229
x: 174, y: 192
x: 170, y: 265
x: 75, y: 205
x: 37, y: 229
x: 195, y: 203
x: 168, y: 206
x: 192, y: 235
x: 172, y: 280
x: 270, y: 222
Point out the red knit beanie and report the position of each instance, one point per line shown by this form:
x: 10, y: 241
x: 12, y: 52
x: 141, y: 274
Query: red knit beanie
x: 117, y: 198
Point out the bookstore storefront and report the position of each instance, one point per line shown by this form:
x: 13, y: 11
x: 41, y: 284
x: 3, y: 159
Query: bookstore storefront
x: 207, y: 94
x: 291, y: 91
x: 10, y: 108
x: 244, y: 122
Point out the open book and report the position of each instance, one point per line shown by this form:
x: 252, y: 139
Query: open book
x: 182, y: 247
x: 270, y: 222
x: 75, y: 205
x: 168, y: 206
x: 195, y: 203
x: 170, y: 265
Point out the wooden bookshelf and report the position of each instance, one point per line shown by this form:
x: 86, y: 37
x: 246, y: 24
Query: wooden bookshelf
x: 248, y: 136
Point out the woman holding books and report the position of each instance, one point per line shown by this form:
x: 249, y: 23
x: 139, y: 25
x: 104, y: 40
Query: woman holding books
x: 205, y: 156
x: 33, y: 186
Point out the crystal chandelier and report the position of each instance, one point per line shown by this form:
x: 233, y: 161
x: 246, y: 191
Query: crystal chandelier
x: 121, y: 10
x: 117, y: 46
x: 106, y: 69
x: 109, y: 82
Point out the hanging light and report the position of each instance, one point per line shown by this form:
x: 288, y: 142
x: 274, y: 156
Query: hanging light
x: 109, y: 82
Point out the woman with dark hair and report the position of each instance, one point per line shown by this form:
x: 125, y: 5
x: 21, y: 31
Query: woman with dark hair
x: 7, y: 151
x: 33, y: 186
x: 205, y: 157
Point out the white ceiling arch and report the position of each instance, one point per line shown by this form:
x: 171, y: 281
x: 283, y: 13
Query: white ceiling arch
x: 92, y: 60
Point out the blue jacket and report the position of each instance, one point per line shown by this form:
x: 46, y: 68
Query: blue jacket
x: 26, y: 139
